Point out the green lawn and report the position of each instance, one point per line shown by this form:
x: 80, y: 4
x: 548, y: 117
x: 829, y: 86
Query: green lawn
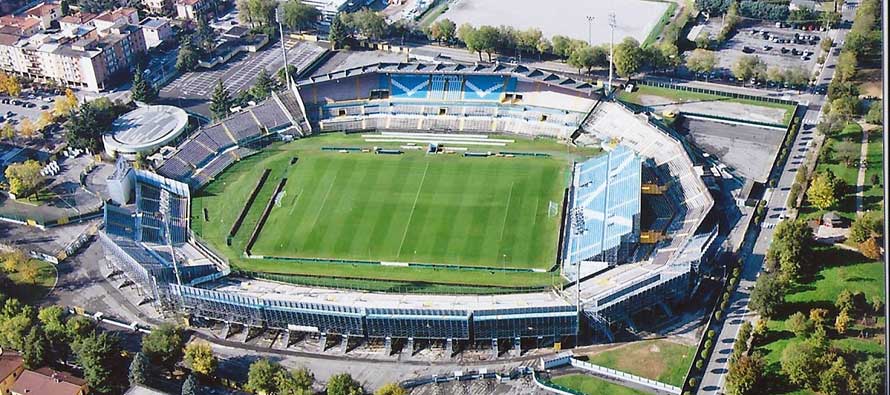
x: 660, y: 25
x: 659, y: 360
x: 379, y: 207
x: 875, y: 192
x: 29, y: 292
x: 681, y: 96
x: 847, y: 205
x: 844, y: 270
x: 593, y: 386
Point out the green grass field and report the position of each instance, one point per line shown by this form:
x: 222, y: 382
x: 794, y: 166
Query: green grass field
x: 490, y: 212
x: 32, y: 292
x: 592, y: 385
x: 659, y: 360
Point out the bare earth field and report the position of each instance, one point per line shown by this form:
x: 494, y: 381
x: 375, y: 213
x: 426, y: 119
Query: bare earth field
x: 634, y: 18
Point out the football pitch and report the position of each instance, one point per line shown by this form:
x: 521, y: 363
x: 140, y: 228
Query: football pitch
x: 496, y: 214
x: 418, y: 208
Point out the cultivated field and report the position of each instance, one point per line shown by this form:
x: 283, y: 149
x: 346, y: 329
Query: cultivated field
x: 418, y: 208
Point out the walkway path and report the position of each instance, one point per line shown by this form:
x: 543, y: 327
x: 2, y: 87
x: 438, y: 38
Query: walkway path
x: 860, y: 179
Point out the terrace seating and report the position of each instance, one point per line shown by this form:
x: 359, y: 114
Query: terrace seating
x: 270, y: 115
x: 243, y: 126
x: 215, y: 138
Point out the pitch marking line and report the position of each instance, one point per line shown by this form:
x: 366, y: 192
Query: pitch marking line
x: 413, y: 206
x: 506, y: 214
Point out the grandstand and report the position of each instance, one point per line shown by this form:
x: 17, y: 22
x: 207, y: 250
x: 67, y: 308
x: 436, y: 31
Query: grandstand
x: 616, y: 261
x: 213, y: 148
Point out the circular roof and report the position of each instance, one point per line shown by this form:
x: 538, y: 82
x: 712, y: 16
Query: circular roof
x: 145, y: 129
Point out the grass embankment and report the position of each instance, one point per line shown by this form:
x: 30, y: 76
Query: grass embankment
x: 593, y: 386
x: 680, y: 96
x: 659, y: 360
x: 29, y: 291
x: 321, y: 218
x: 665, y: 20
x: 843, y: 270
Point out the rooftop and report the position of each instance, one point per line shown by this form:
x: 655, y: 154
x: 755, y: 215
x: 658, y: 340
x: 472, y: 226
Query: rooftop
x: 46, y: 381
x: 154, y: 22
x: 145, y: 128
x: 42, y: 10
x: 10, y: 361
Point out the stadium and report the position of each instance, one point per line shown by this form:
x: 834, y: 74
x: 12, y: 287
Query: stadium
x: 494, y: 205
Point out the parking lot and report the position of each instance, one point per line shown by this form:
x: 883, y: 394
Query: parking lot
x: 779, y: 47
x: 239, y: 73
x: 28, y: 105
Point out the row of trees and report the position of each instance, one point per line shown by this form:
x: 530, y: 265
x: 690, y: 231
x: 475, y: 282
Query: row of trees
x: 221, y: 100
x: 268, y: 377
x: 48, y: 336
x: 29, y: 129
x: 86, y: 125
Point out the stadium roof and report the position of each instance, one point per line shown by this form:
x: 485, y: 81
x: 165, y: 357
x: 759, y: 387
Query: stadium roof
x: 606, y: 197
x: 525, y: 72
x: 145, y: 129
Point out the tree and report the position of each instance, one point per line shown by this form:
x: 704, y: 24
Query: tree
x: 298, y: 382
x: 391, y: 389
x: 36, y: 348
x: 261, y: 377
x: 163, y: 346
x: 142, y: 90
x: 369, y: 23
x: 701, y: 61
x: 822, y: 193
x: 628, y: 57
x: 343, y: 384
x: 337, y: 33
x: 65, y: 8
x: 842, y: 322
x: 867, y: 226
x: 562, y: 46
x: 65, y: 104
x: 487, y: 38
x: 846, y: 66
x: 748, y: 67
x: 79, y: 327
x: 24, y: 178
x: 26, y: 128
x: 870, y: 249
x: 826, y: 44
x: 847, y: 151
x: 799, y: 324
x: 745, y: 375
x: 583, y: 58
x: 10, y: 85
x: 200, y: 359
x: 187, y: 58
x: 712, y: 7
x: 85, y: 127
x: 544, y: 46
x: 830, y: 18
x: 29, y: 273
x: 190, y: 386
x: 818, y: 316
x: 99, y: 354
x: 298, y: 15
x: 220, y: 101
x: 844, y: 300
x: 139, y: 369
x: 263, y: 85
x: 802, y: 363
x: 768, y: 294
x: 871, y: 376
x: 443, y: 30
x: 13, y: 260
x: 7, y: 132
x: 791, y: 248
x: 836, y: 380
x: 874, y: 114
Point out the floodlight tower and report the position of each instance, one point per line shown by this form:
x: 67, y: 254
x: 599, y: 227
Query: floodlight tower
x: 611, y: 48
x: 283, y: 48
x: 589, y: 30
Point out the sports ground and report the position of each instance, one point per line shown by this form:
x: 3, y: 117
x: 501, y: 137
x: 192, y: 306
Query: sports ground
x: 467, y: 221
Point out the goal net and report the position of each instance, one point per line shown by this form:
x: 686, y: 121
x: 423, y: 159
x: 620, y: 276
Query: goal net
x: 279, y: 198
x: 552, y: 209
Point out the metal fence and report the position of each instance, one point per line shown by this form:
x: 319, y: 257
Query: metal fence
x: 742, y: 96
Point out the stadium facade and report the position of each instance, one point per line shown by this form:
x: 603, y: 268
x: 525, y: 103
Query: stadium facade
x: 614, y: 267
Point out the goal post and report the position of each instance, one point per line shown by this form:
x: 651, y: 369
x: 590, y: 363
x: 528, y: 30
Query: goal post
x: 279, y: 197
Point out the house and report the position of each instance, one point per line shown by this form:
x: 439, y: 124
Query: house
x: 805, y: 4
x: 46, y: 381
x: 143, y: 390
x: 192, y: 9
x: 72, y: 22
x: 156, y: 31
x: 46, y: 13
x: 832, y: 220
x: 11, y: 367
x: 158, y: 7
x: 25, y: 27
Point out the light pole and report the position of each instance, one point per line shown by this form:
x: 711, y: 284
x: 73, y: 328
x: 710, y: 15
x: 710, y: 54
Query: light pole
x: 589, y: 30
x: 283, y: 48
x: 611, y: 48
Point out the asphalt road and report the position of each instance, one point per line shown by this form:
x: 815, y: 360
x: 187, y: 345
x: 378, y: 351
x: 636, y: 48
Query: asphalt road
x: 754, y: 250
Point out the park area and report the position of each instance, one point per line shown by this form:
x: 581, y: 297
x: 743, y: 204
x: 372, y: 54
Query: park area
x: 339, y: 215
x: 24, y: 278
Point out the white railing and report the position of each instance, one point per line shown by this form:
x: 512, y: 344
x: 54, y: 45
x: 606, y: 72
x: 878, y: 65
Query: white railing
x: 626, y: 377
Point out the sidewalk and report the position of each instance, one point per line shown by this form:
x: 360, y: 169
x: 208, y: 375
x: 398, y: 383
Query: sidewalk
x: 860, y: 179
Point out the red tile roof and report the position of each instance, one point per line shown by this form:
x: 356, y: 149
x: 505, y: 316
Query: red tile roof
x: 42, y: 10
x: 46, y: 381
x: 9, y: 363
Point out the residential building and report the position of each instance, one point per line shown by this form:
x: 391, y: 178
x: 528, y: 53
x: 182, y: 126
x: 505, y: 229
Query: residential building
x: 83, y: 56
x: 193, y: 9
x: 46, y: 13
x: 19, y: 25
x: 329, y: 8
x: 156, y: 31
x: 80, y: 19
x: 107, y: 19
x: 158, y: 7
x: 46, y: 381
x: 11, y: 367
